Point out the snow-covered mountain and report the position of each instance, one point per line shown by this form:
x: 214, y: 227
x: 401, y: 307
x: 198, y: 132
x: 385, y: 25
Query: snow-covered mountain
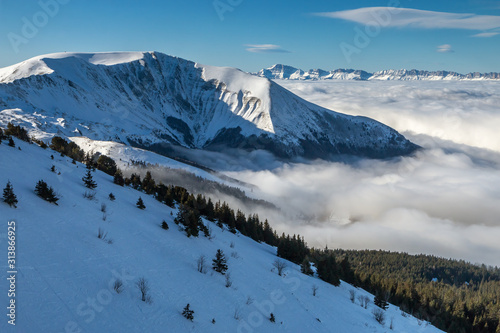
x: 283, y: 72
x: 148, y: 99
x: 66, y: 275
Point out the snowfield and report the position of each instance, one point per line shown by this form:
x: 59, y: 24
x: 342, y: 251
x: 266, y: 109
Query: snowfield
x: 65, y: 272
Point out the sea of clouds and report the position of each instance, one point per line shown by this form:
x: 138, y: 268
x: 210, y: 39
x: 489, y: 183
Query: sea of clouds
x: 444, y: 201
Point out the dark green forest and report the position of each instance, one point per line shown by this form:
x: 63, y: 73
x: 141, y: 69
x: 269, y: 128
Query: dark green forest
x: 453, y: 295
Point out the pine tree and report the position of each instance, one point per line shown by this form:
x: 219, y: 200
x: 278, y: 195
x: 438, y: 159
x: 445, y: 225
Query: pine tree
x: 327, y: 270
x: 380, y: 302
x: 188, y: 313
x: 219, y: 263
x: 148, y: 183
x: 118, y: 178
x: 305, y: 267
x: 164, y: 225
x: 106, y: 164
x: 140, y: 204
x: 88, y: 180
x: 8, y: 195
x: 168, y: 198
x: 111, y: 197
x: 11, y: 142
x: 190, y: 219
x: 46, y: 192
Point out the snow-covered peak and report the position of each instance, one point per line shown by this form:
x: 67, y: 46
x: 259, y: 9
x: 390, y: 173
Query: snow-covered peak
x: 283, y: 72
x: 39, y: 65
x: 149, y: 98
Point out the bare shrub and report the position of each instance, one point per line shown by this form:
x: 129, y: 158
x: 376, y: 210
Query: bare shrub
x: 118, y: 286
x: 379, y: 316
x: 361, y: 300
x: 352, y: 295
x: 280, y: 265
x: 201, y: 264
x: 143, y: 286
x: 229, y: 282
x: 314, y: 289
x: 101, y: 234
x: 366, y: 301
x: 90, y: 195
x: 237, y: 313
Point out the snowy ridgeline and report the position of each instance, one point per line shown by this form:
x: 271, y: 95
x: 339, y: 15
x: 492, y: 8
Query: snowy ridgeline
x: 284, y: 72
x: 147, y: 99
x: 67, y: 275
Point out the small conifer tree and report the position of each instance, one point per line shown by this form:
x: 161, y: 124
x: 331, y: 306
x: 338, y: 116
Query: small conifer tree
x: 380, y: 302
x: 164, y: 225
x: 46, y: 192
x: 118, y: 178
x: 89, y: 181
x: 188, y: 313
x: 140, y: 204
x: 8, y: 195
x: 219, y: 263
x: 305, y: 267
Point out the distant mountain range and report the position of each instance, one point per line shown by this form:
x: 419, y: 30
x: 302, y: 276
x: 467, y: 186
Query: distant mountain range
x: 284, y: 72
x: 150, y: 100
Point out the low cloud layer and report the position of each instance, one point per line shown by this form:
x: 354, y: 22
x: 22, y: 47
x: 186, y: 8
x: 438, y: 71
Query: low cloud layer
x: 465, y: 112
x: 442, y: 201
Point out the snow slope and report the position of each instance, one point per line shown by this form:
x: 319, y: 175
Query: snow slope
x: 124, y: 156
x: 148, y: 99
x: 283, y: 72
x: 65, y: 273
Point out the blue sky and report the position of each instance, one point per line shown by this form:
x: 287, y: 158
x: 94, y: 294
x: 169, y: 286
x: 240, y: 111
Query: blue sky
x: 252, y: 34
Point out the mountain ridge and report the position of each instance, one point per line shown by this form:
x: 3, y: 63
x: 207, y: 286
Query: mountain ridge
x: 285, y: 72
x: 149, y: 99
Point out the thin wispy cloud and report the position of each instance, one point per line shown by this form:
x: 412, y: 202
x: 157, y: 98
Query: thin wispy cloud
x: 265, y: 48
x: 486, y: 34
x: 445, y: 48
x: 416, y: 18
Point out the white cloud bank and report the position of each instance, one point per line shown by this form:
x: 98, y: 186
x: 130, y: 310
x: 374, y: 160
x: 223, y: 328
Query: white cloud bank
x: 442, y: 201
x: 416, y: 18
